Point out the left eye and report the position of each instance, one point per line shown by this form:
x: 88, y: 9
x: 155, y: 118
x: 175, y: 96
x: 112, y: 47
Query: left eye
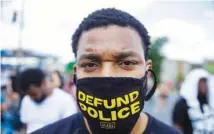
x: 127, y: 64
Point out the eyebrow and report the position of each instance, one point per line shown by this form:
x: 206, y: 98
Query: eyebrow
x: 93, y: 57
x: 123, y: 55
x: 117, y: 56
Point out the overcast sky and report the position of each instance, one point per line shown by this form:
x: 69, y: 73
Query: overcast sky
x: 49, y: 25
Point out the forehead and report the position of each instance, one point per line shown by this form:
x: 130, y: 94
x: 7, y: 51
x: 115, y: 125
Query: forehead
x: 202, y: 81
x: 111, y: 39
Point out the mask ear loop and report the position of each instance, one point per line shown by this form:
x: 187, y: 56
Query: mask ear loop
x: 143, y: 89
x: 149, y: 95
x: 75, y: 79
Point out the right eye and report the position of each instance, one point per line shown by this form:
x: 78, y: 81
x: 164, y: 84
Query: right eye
x: 89, y: 67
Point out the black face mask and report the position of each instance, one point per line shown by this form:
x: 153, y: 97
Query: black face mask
x: 112, y: 105
x: 41, y: 99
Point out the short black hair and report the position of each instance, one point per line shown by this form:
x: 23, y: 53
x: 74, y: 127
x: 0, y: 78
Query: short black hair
x: 107, y: 17
x: 31, y: 76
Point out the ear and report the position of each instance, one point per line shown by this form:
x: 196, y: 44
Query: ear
x: 75, y: 68
x: 74, y: 74
x: 149, y: 66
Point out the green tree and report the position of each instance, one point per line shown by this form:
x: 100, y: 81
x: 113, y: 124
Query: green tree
x: 69, y: 67
x: 155, y: 55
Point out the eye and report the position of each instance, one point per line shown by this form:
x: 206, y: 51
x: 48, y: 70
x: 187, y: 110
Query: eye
x: 128, y: 65
x: 89, y: 67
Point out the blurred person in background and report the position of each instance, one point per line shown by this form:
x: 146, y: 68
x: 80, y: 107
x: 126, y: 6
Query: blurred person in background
x: 70, y: 86
x: 57, y: 79
x: 6, y: 126
x: 42, y: 104
x: 111, y: 48
x: 10, y: 119
x: 161, y: 104
x: 10, y: 101
x: 162, y: 97
x: 194, y: 111
x: 12, y: 85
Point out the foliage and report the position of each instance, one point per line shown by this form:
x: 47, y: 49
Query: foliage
x: 155, y: 55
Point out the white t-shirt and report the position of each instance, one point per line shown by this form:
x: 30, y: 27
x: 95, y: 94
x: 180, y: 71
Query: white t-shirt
x: 55, y: 107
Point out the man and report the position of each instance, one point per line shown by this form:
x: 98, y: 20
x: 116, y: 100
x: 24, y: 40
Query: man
x: 194, y: 112
x: 111, y: 48
x: 43, y: 104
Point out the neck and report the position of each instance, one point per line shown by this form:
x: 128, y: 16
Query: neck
x: 202, y: 99
x: 87, y: 126
x: 141, y: 124
x: 139, y: 127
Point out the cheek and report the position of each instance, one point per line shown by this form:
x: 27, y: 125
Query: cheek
x: 139, y: 72
x: 44, y: 87
x: 55, y: 78
x: 82, y: 74
x: 35, y: 96
x: 203, y: 90
x: 39, y: 96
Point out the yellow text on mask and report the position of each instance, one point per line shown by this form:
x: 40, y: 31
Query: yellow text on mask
x: 126, y: 104
x: 108, y: 104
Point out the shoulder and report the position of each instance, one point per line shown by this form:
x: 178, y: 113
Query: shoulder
x: 181, y: 103
x: 155, y: 127
x: 70, y: 124
x: 60, y: 93
x: 181, y: 100
x: 26, y: 100
x: 65, y: 98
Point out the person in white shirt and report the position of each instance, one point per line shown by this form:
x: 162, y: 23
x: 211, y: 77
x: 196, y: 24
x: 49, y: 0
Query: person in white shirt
x: 42, y: 104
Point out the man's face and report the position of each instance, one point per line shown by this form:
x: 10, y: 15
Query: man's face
x: 111, y: 51
x: 37, y: 92
x: 202, y: 86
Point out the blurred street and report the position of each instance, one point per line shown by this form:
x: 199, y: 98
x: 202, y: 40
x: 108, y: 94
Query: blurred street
x: 162, y: 110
